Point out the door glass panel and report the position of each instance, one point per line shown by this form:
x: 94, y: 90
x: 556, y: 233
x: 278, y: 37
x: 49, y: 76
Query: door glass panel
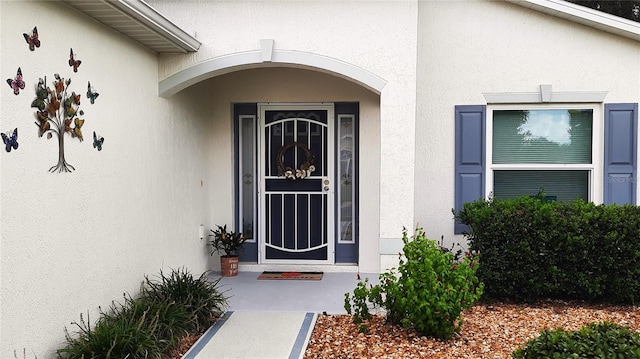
x: 345, y: 177
x: 247, y: 176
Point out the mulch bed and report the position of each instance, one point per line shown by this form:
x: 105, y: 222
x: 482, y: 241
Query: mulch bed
x: 490, y: 331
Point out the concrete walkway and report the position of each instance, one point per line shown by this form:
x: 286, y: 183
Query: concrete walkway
x: 256, y: 335
x: 272, y: 319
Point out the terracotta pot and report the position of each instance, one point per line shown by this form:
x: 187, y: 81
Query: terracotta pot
x: 229, y: 266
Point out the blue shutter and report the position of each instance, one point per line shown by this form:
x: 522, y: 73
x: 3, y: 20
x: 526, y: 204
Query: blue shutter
x: 470, y: 157
x: 620, y: 149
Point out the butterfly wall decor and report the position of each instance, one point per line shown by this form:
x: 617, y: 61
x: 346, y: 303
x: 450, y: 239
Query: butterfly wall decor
x: 97, y: 141
x: 32, y: 39
x: 92, y: 95
x: 77, y: 132
x: 10, y: 140
x: 73, y: 62
x: 43, y: 123
x: 16, y: 84
x: 41, y: 96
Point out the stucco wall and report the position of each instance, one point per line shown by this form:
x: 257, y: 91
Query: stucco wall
x: 377, y: 36
x: 74, y: 241
x: 469, y: 48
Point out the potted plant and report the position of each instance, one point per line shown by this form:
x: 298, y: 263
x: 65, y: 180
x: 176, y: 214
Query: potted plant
x: 228, y: 245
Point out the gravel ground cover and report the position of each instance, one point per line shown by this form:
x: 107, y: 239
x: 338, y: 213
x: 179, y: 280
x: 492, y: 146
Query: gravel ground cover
x: 490, y: 331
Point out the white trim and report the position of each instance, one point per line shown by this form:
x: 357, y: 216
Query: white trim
x: 595, y: 168
x: 266, y: 45
x: 254, y: 59
x: 585, y: 16
x: 540, y: 97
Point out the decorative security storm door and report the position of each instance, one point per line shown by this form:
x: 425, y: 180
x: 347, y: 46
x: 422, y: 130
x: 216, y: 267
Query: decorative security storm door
x: 296, y: 174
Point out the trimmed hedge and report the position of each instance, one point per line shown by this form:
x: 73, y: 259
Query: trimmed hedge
x: 596, y: 340
x: 532, y: 248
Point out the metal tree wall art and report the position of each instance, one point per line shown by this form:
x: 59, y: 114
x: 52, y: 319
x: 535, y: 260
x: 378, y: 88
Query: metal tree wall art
x: 57, y: 111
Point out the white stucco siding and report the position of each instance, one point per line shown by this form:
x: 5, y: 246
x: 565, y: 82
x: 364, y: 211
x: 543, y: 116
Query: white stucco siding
x: 379, y: 37
x: 74, y: 241
x: 474, y: 47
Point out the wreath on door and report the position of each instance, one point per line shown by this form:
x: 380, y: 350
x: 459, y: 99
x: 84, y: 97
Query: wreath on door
x: 305, y: 169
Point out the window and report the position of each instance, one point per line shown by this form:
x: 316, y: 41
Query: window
x: 546, y: 147
x: 549, y: 152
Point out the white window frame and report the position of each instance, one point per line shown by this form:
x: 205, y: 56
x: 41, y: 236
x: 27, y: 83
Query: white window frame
x: 595, y: 168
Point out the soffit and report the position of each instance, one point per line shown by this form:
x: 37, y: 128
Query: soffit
x: 584, y: 15
x: 139, y: 21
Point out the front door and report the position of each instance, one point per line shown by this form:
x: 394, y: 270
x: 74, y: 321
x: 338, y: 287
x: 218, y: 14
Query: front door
x: 296, y: 192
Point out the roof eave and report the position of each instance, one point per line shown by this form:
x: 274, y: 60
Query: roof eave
x: 584, y: 15
x: 167, y: 36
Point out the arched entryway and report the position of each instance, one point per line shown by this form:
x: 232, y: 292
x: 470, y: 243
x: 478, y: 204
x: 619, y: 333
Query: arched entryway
x: 241, y: 97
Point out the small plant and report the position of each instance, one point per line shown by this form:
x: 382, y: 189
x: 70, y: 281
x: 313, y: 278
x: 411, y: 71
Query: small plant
x: 228, y: 243
x: 596, y: 340
x: 429, y: 293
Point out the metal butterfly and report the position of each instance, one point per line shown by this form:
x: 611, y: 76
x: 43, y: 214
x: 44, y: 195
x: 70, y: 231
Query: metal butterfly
x: 32, y: 39
x: 43, y: 123
x: 97, y: 141
x: 10, y: 140
x: 92, y: 95
x: 16, y: 84
x: 77, y: 132
x: 41, y: 95
x: 73, y: 62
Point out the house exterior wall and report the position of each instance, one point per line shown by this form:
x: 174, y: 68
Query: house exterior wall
x: 379, y: 37
x: 499, y: 47
x: 71, y: 242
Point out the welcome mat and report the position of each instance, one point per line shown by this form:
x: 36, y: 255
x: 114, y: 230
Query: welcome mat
x: 291, y: 275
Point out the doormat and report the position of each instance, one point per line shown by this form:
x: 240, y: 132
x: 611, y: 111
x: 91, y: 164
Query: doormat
x: 291, y: 275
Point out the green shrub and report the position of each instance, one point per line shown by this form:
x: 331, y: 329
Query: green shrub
x: 122, y: 337
x: 198, y: 296
x: 169, y: 320
x: 428, y: 294
x: 149, y: 325
x: 596, y: 340
x: 534, y: 248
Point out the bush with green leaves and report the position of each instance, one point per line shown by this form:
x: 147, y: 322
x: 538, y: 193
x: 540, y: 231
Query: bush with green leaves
x: 200, y: 297
x: 596, y: 340
x: 533, y: 248
x: 125, y: 337
x: 428, y: 293
x: 149, y: 325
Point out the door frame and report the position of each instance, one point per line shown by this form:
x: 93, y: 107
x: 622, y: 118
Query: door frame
x: 331, y: 198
